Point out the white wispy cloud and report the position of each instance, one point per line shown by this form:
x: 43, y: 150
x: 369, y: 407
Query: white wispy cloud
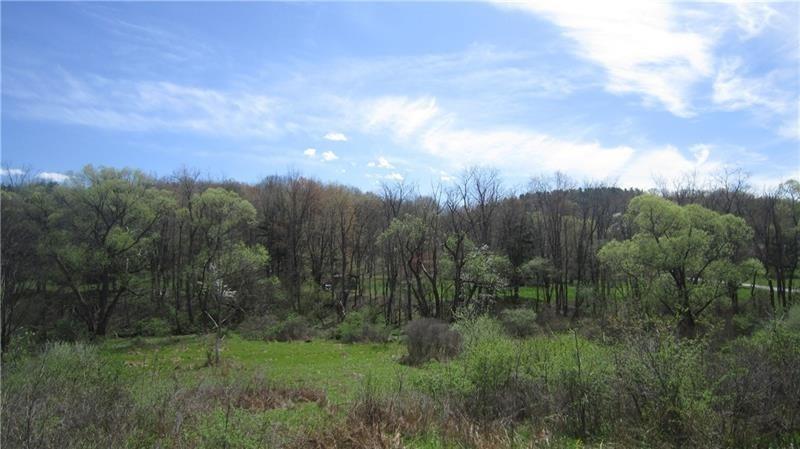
x: 639, y: 43
x: 731, y: 91
x: 520, y: 151
x: 382, y: 162
x: 667, y: 163
x: 753, y: 17
x: 328, y: 156
x: 52, y: 176
x: 400, y: 115
x: 394, y: 176
x: 790, y: 128
x: 310, y: 152
x: 143, y: 105
x: 446, y: 177
x: 701, y: 152
x: 336, y: 137
x: 11, y: 172
x: 524, y: 152
x: 146, y: 40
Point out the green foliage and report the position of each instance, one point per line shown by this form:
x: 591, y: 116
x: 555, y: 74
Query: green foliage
x: 68, y: 330
x: 100, y: 233
x: 153, y: 327
x: 758, y: 383
x: 682, y: 256
x: 536, y: 269
x: 497, y: 377
x: 294, y: 327
x: 652, y: 390
x: 361, y: 326
x: 744, y: 323
x: 268, y: 328
x: 429, y: 339
x: 519, y: 322
x: 792, y: 320
x: 662, y: 376
x: 478, y: 329
x: 257, y: 327
x: 487, y: 269
x: 67, y: 397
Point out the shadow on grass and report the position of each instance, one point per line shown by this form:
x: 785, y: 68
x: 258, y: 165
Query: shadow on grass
x: 126, y: 345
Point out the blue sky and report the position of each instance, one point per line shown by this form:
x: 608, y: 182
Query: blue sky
x: 364, y: 93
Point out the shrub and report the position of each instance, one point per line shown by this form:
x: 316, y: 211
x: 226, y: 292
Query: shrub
x: 67, y: 397
x: 500, y: 388
x: 430, y: 339
x: 792, y: 319
x: 265, y: 327
x: 68, y: 330
x: 519, y: 322
x: 22, y: 344
x: 153, y: 327
x: 663, y: 390
x: 294, y: 327
x: 583, y: 388
x: 257, y: 327
x: 744, y: 323
x: 360, y: 326
x: 759, y: 387
x: 474, y: 330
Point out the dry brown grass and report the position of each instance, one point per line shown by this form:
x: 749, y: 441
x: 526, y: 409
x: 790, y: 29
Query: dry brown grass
x: 389, y: 422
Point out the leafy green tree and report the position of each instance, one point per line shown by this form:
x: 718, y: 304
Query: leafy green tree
x: 418, y: 245
x: 539, y: 272
x: 231, y: 279
x: 23, y: 271
x: 102, y: 221
x: 684, y: 254
x: 224, y: 221
x: 486, y: 272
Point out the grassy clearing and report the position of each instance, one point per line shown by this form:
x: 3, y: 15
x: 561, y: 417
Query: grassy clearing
x: 334, y: 367
x: 342, y: 371
x: 547, y: 390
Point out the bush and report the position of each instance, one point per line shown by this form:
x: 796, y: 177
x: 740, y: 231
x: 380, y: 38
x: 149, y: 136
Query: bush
x: 153, y: 327
x: 663, y: 390
x: 68, y: 330
x: 22, y: 344
x: 257, y: 327
x: 361, y: 326
x: 475, y: 330
x: 792, y: 319
x: 583, y: 389
x: 267, y: 328
x: 759, y: 387
x: 294, y: 327
x: 430, y: 339
x: 67, y: 397
x: 519, y: 322
x: 499, y: 387
x: 744, y: 323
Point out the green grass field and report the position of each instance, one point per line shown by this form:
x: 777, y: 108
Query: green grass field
x: 334, y: 367
x: 340, y: 370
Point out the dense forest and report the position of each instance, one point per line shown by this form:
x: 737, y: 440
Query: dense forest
x: 113, y: 248
x: 672, y: 274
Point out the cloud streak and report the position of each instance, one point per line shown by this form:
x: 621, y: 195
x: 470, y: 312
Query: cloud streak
x: 637, y: 43
x: 329, y: 156
x: 53, y: 177
x: 144, y: 106
x: 335, y: 137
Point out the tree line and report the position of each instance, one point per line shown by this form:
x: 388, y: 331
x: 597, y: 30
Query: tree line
x: 110, y: 248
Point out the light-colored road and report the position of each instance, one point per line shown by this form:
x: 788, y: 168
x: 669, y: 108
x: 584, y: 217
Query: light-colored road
x: 766, y: 287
